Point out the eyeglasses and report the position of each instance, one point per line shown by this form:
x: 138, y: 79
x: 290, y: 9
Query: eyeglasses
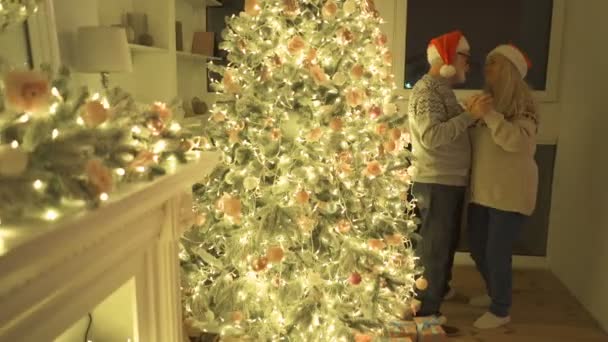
x: 467, y: 57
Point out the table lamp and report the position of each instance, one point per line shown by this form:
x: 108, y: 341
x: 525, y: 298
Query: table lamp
x: 103, y: 49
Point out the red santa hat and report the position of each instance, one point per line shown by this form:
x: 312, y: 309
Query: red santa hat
x: 515, y: 55
x: 445, y: 48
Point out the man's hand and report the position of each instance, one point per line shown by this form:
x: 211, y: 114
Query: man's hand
x: 480, y: 105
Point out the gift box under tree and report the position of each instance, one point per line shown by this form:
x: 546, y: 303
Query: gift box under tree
x: 429, y: 330
x: 422, y: 329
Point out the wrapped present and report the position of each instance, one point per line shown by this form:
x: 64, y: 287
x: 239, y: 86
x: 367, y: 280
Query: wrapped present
x: 403, y: 329
x: 429, y: 330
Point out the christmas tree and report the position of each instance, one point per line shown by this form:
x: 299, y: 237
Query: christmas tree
x: 305, y: 231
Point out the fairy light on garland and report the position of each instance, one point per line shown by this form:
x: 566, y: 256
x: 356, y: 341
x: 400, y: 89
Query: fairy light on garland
x: 24, y: 118
x: 13, y: 12
x: 51, y: 215
x: 47, y: 128
x: 38, y: 184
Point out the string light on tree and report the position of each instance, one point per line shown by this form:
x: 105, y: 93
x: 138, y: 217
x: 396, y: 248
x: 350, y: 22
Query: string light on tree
x: 306, y: 213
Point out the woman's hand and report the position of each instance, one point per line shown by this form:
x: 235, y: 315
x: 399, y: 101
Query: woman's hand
x: 480, y: 105
x: 470, y: 101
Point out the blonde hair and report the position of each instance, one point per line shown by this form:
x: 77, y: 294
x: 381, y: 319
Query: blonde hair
x: 512, y: 95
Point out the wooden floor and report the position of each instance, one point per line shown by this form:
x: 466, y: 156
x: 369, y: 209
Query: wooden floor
x: 543, y: 311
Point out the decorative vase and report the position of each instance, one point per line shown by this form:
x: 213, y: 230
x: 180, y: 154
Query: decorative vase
x: 199, y: 107
x: 139, y: 23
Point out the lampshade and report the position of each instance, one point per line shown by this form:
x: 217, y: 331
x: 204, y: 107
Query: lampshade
x: 102, y: 49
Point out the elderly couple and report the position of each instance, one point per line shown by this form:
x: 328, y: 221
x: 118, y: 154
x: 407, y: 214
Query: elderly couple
x: 485, y: 147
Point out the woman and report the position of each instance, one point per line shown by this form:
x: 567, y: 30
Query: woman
x: 504, y: 176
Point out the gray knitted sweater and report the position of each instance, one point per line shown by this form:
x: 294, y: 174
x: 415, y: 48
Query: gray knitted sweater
x: 438, y: 128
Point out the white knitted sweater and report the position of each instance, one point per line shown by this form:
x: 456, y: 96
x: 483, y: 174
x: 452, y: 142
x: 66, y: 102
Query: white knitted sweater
x: 438, y: 127
x: 504, y: 174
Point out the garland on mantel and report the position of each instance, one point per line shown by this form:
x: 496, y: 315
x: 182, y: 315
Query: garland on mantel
x: 16, y: 11
x: 62, y: 146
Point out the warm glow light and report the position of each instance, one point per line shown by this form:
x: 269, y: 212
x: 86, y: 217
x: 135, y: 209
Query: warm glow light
x: 24, y: 118
x: 38, y: 184
x: 14, y: 144
x: 160, y: 146
x: 104, y: 197
x: 55, y: 133
x: 51, y: 215
x: 175, y: 127
x: 287, y: 142
x: 80, y: 121
x: 53, y: 108
x: 121, y: 172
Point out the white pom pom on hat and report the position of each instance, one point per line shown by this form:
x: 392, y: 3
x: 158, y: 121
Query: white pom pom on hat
x: 515, y: 55
x: 445, y: 48
x: 447, y: 71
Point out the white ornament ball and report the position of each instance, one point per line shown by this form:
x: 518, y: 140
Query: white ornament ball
x: 350, y: 6
x: 415, y: 305
x: 13, y: 161
x: 339, y: 79
x: 370, y: 49
x: 326, y: 110
x: 251, y: 183
x: 412, y: 171
x: 389, y: 108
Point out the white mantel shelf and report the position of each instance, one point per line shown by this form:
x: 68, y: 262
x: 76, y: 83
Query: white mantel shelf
x: 52, y: 274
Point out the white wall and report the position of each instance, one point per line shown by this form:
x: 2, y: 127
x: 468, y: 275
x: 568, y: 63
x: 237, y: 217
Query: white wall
x: 578, y: 237
x: 13, y: 46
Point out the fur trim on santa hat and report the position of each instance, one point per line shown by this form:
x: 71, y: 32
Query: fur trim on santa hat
x: 515, y: 56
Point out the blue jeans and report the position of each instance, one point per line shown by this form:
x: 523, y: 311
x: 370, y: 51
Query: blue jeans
x: 491, y: 234
x: 440, y: 209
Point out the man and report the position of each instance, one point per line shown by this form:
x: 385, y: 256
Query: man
x: 442, y: 157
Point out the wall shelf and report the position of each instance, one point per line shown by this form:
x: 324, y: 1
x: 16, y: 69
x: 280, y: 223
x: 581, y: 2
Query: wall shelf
x: 184, y: 74
x: 196, y: 57
x: 136, y: 48
x: 204, y: 3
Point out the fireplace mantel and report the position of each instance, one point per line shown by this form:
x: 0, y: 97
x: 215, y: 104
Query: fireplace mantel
x: 52, y: 274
